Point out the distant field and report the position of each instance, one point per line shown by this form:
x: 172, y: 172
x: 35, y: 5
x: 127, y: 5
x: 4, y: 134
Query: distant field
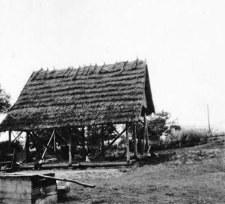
x: 192, y: 175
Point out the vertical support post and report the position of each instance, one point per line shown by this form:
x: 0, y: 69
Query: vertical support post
x: 127, y: 145
x: 139, y: 142
x: 70, y: 148
x: 83, y: 143
x: 102, y: 137
x: 135, y: 140
x: 27, y: 147
x: 54, y: 144
x: 10, y: 136
x: 146, y: 131
x: 144, y: 139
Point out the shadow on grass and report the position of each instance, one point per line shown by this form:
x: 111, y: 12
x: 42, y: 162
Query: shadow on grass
x: 154, y: 160
x: 75, y: 199
x: 69, y: 199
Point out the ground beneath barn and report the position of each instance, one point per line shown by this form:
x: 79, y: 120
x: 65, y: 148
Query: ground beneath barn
x: 189, y: 175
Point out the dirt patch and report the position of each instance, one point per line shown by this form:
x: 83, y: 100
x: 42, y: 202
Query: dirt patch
x: 82, y: 174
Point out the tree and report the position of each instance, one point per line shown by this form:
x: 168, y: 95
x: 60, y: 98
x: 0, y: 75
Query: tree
x: 95, y: 136
x: 159, y: 123
x: 4, y: 101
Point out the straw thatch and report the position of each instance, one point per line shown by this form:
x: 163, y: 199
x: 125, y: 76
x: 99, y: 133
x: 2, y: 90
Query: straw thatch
x: 90, y: 95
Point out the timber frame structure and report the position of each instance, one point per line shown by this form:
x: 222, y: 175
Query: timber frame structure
x: 63, y: 102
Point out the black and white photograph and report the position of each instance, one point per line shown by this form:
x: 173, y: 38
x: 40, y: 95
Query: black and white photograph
x: 112, y: 101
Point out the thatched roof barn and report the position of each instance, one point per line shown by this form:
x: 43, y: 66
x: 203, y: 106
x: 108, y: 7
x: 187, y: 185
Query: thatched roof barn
x: 114, y: 93
x: 117, y: 93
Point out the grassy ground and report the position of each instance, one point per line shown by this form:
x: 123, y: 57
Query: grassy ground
x: 190, y: 175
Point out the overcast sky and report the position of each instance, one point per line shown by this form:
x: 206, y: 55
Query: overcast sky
x: 183, y: 43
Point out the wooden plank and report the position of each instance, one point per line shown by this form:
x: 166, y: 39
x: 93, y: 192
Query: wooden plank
x: 47, y: 166
x: 80, y: 165
x: 105, y: 164
x: 60, y: 179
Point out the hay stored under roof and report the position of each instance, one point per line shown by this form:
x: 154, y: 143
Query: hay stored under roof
x: 114, y: 93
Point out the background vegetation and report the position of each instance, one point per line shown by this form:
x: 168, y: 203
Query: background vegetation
x: 4, y: 101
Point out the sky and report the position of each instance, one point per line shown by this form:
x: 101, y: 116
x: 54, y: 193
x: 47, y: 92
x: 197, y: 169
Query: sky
x: 183, y: 42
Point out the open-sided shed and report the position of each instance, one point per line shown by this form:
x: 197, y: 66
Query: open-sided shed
x: 69, y: 98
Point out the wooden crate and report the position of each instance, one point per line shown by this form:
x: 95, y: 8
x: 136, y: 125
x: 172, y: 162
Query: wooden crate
x: 27, y: 189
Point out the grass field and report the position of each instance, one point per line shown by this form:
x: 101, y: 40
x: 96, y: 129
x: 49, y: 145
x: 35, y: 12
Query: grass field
x: 187, y: 175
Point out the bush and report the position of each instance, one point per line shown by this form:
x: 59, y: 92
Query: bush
x: 193, y: 137
x: 183, y: 138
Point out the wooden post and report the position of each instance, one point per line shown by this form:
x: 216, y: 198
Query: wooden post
x: 27, y: 148
x: 144, y: 139
x: 139, y: 142
x: 102, y: 135
x: 146, y: 131
x: 135, y: 140
x: 10, y: 136
x: 54, y: 144
x: 127, y: 145
x: 83, y: 144
x: 70, y: 148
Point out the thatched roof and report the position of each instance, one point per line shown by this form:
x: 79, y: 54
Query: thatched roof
x: 114, y: 93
